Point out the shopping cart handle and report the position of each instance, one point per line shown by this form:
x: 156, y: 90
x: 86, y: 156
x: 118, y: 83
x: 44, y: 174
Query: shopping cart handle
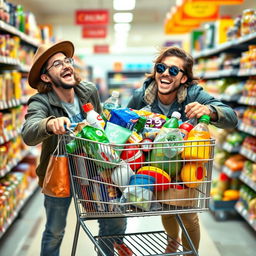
x: 71, y: 127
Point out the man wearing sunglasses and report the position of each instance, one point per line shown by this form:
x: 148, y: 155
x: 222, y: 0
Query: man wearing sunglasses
x: 172, y: 87
x: 61, y: 95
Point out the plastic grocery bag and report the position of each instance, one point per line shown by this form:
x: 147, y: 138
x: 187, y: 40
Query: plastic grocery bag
x: 57, y: 178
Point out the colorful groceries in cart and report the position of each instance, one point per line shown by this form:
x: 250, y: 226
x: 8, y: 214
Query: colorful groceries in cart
x: 199, y: 132
x: 143, y: 153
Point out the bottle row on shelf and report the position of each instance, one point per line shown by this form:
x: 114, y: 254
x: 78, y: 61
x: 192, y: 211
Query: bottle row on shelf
x: 15, y: 189
x: 6, y: 222
x: 13, y: 88
x: 245, y: 214
x: 226, y: 73
x: 236, y: 64
x: 234, y: 191
x: 5, y: 60
x: 11, y: 152
x: 13, y: 102
x: 230, y: 46
x: 11, y: 120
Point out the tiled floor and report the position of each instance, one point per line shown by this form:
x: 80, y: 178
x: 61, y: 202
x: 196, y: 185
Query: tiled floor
x: 217, y: 238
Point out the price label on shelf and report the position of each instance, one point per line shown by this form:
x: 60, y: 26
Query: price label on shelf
x: 227, y: 147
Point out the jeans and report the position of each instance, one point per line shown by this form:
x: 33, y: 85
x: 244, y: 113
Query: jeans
x: 111, y: 226
x: 56, y: 215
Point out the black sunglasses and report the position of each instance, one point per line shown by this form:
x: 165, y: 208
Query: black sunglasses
x: 173, y: 70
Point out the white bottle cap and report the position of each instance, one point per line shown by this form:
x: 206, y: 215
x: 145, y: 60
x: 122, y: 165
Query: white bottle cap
x: 115, y: 94
x: 176, y: 114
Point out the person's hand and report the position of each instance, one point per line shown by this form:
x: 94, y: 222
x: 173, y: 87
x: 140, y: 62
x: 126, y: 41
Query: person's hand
x: 196, y: 109
x: 56, y: 125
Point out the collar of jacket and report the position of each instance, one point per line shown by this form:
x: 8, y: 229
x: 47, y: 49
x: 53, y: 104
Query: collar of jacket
x: 150, y: 91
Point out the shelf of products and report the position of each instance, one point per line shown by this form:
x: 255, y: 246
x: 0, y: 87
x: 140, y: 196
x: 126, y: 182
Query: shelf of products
x: 125, y: 82
x: 18, y: 42
x: 245, y: 214
x: 6, y: 218
x: 228, y: 72
x: 235, y: 45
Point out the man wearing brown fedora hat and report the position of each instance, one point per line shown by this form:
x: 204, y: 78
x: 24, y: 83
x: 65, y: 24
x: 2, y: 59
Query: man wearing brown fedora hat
x: 61, y: 95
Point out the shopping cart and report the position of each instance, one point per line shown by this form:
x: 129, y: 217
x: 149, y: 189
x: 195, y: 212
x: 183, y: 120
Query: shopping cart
x: 133, y: 180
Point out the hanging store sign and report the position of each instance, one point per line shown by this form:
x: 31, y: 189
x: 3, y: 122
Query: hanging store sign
x: 176, y: 18
x: 92, y: 17
x: 172, y: 27
x: 94, y: 32
x: 201, y: 11
x: 101, y: 48
x: 221, y: 2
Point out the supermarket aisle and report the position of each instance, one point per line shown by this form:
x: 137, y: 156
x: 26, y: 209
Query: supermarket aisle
x: 218, y: 238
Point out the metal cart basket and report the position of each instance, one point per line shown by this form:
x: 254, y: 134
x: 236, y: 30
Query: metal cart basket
x: 136, y: 180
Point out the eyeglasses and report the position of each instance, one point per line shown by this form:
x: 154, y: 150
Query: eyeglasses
x: 60, y: 63
x: 173, y: 70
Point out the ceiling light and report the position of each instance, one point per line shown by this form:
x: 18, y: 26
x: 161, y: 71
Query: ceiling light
x: 123, y: 5
x: 122, y: 27
x: 123, y: 17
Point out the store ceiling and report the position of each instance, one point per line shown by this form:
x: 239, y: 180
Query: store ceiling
x: 146, y: 27
x: 147, y: 30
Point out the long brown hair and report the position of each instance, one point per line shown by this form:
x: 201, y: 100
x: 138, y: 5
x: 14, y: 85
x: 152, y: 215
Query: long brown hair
x: 180, y: 53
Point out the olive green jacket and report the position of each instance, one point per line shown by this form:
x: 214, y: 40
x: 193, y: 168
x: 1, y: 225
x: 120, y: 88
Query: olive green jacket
x: 41, y: 108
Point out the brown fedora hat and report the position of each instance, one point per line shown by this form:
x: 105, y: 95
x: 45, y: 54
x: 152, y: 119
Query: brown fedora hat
x: 43, y: 53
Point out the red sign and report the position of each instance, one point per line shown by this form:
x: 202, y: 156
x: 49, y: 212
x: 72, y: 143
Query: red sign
x: 94, y: 32
x: 101, y: 48
x: 92, y: 17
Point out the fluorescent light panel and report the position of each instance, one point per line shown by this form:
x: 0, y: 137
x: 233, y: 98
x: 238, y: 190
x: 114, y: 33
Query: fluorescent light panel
x: 124, y: 5
x: 122, y: 27
x: 123, y: 17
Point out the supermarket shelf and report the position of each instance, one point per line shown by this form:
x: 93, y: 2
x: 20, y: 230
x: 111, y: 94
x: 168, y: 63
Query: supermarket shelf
x: 247, y: 128
x: 244, y: 213
x: 219, y: 205
x: 13, y: 163
x: 217, y: 167
x: 239, y: 44
x: 247, y: 72
x: 28, y: 193
x: 247, y: 180
x: 230, y: 98
x: 219, y: 73
x: 8, y: 135
x: 251, y: 101
x: 227, y: 171
x: 226, y: 97
x: 226, y: 73
x: 124, y: 78
x: 12, y: 61
x: 230, y: 148
x: 14, y: 31
x: 11, y: 103
x: 231, y: 173
x: 248, y: 154
x: 222, y: 210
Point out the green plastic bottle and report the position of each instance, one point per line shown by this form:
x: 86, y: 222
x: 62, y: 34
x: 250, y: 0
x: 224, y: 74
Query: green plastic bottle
x: 169, y: 133
x: 173, y: 122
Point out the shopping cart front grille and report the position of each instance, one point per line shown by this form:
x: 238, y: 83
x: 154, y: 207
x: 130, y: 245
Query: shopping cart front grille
x: 115, y: 180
